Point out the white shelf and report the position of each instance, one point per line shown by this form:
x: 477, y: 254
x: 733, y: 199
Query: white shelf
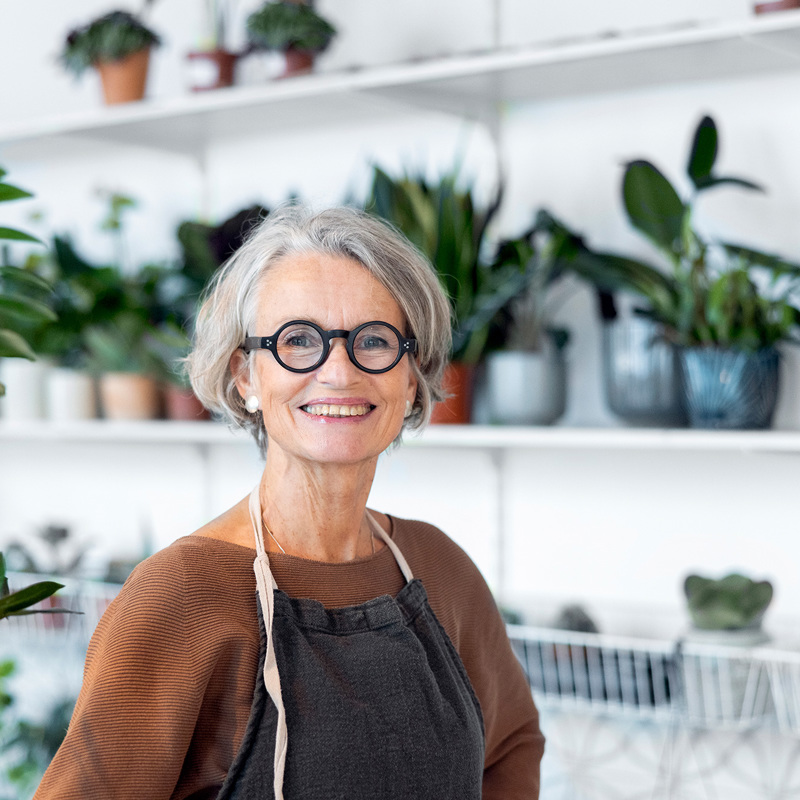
x: 469, y: 85
x: 486, y: 437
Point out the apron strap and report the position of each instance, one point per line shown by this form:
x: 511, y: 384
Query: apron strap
x: 266, y: 585
x: 387, y: 540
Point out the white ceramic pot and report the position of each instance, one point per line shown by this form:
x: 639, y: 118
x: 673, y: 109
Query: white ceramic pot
x: 70, y: 395
x: 128, y: 396
x: 526, y: 388
x: 24, y: 382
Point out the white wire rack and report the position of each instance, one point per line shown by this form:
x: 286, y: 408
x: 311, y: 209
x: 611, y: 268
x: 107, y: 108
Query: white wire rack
x: 700, y: 685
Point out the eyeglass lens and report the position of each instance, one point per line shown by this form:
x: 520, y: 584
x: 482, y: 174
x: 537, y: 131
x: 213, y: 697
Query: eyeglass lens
x: 301, y: 346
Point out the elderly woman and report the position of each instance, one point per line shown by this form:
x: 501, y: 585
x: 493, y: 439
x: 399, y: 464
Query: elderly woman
x: 367, y: 658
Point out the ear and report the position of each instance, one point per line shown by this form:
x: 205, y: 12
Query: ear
x: 240, y: 370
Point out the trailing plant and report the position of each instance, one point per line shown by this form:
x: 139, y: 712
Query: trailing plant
x: 112, y: 37
x: 284, y: 25
x: 444, y: 222
x: 715, y: 293
x: 730, y: 603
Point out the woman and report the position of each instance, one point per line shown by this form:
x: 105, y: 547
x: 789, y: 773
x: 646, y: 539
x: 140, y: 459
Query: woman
x: 380, y: 663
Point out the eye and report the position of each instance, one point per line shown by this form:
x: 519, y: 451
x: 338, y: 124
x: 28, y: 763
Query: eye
x: 373, y: 343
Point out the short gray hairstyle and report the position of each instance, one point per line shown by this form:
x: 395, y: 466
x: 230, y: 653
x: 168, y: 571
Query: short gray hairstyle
x: 230, y: 305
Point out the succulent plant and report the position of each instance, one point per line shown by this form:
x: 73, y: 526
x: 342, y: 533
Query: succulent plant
x: 730, y: 603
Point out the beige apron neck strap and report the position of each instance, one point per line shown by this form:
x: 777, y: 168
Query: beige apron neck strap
x: 387, y: 540
x: 266, y: 584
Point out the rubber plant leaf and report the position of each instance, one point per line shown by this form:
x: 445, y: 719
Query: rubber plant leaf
x: 653, y: 205
x: 703, y: 153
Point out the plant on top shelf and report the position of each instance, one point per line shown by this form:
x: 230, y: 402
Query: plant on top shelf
x: 24, y: 296
x: 118, y: 45
x: 448, y: 226
x: 724, y: 305
x: 215, y: 62
x: 734, y: 602
x: 292, y: 28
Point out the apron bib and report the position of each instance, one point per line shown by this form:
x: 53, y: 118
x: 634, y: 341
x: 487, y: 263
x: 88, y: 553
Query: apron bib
x: 368, y: 702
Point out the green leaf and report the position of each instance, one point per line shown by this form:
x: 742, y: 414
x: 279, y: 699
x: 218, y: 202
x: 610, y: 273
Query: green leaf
x: 711, y: 182
x: 9, y: 192
x: 25, y: 309
x: 26, y: 277
x: 653, y: 205
x: 3, y: 581
x: 30, y: 595
x: 17, y: 236
x: 703, y: 153
x: 12, y: 345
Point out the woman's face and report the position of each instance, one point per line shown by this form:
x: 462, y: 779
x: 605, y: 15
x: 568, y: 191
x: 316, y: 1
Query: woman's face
x: 337, y: 413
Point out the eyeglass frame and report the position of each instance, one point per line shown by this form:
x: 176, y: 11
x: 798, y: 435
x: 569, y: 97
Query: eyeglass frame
x: 405, y: 345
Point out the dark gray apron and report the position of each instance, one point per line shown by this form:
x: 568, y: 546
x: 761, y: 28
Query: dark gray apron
x: 368, y: 702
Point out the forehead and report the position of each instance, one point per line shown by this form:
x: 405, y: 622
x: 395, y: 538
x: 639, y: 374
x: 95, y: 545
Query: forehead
x: 333, y: 291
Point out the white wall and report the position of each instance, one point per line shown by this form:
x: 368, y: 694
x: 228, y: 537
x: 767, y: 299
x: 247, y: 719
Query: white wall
x: 605, y: 525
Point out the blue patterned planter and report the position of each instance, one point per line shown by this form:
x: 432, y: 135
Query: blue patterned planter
x: 730, y: 389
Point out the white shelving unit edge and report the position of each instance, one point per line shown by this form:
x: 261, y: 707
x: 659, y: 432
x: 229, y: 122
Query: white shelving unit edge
x: 436, y: 436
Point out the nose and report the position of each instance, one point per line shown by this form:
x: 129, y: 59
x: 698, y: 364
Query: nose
x: 338, y: 369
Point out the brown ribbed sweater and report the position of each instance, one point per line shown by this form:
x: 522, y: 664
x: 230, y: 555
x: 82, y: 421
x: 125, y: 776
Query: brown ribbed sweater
x: 171, y: 667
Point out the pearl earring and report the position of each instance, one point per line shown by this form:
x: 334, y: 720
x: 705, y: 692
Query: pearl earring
x: 251, y: 404
x: 409, y: 408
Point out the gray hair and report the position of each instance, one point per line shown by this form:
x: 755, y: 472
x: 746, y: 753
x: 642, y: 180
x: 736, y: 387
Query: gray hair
x: 230, y: 305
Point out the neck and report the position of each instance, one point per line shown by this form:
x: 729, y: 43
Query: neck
x: 317, y: 511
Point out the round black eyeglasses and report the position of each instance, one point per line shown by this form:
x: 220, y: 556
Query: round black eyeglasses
x: 302, y: 346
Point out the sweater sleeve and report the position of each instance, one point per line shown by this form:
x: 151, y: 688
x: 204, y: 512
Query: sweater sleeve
x: 136, y: 711
x: 467, y: 610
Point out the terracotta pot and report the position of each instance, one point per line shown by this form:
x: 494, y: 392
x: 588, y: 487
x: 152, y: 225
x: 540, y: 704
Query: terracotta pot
x: 776, y: 5
x: 126, y: 395
x: 181, y: 404
x: 298, y: 62
x: 124, y: 80
x: 211, y: 69
x: 457, y: 408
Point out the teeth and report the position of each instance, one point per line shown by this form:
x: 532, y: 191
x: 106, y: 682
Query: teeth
x: 325, y: 410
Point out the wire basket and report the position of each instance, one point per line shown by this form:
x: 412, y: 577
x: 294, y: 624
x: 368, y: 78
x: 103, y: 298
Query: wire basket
x: 700, y: 684
x: 604, y: 673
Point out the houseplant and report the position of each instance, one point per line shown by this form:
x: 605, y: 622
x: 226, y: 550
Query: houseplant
x: 24, y: 303
x: 118, y: 46
x: 446, y: 223
x: 213, y: 64
x: 724, y: 306
x: 292, y: 28
x: 525, y: 370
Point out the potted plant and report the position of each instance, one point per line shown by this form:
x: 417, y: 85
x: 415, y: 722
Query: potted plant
x: 721, y: 682
x: 525, y: 370
x: 118, y: 46
x: 724, y: 306
x: 291, y: 28
x: 24, y: 305
x: 213, y: 64
x: 444, y: 221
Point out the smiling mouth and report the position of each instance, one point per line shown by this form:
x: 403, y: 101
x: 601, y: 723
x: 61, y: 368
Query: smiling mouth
x: 325, y: 410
